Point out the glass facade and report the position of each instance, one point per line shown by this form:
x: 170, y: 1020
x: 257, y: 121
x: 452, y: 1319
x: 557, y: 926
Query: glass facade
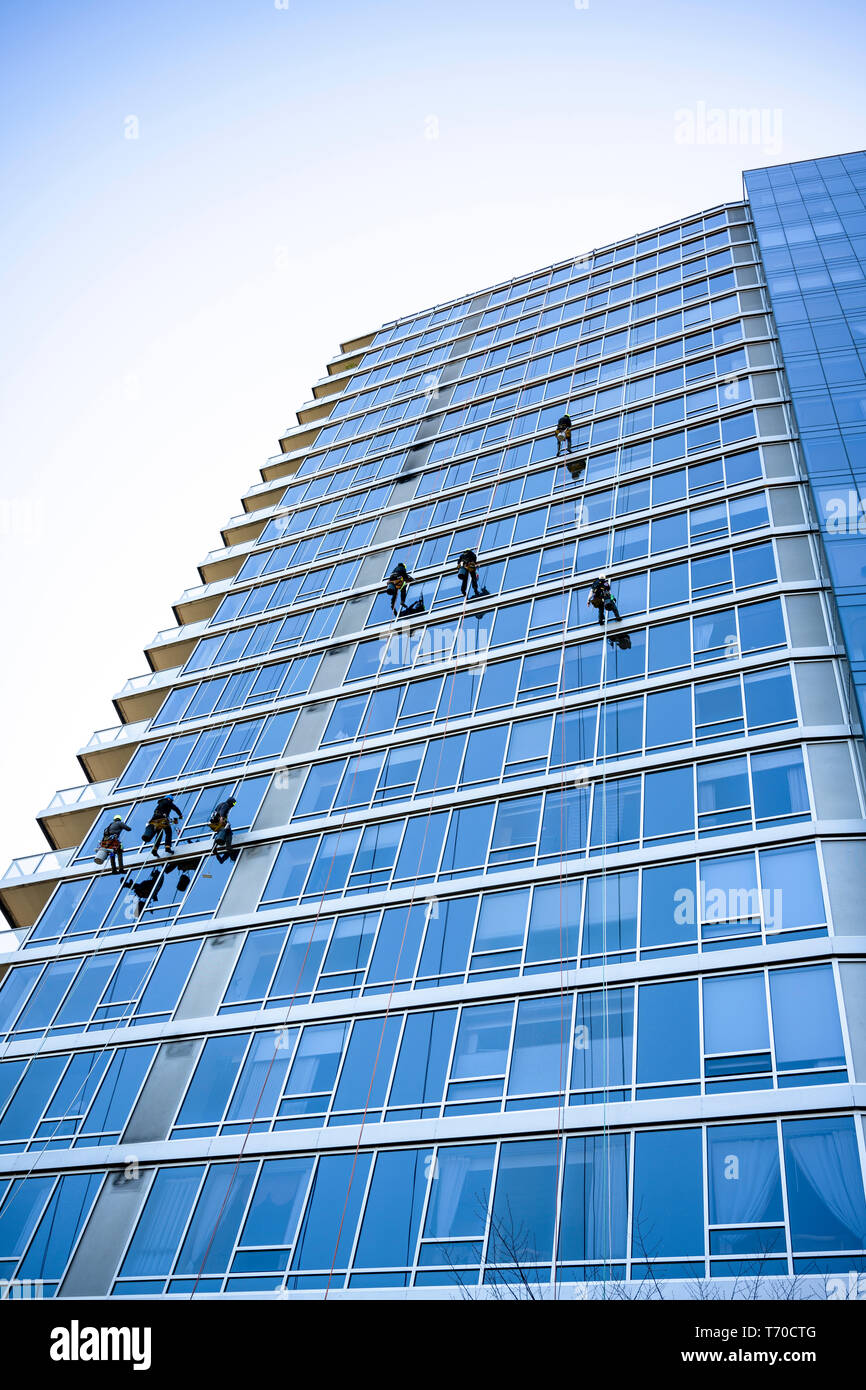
x: 538, y: 958
x: 810, y: 222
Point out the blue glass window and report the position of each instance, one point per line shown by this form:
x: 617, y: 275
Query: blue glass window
x: 392, y: 1216
x: 667, y: 1039
x: 779, y: 781
x: 806, y: 1018
x: 825, y: 1187
x: 745, y: 1180
x: 668, y: 1203
x: 792, y: 891
x: 524, y: 1204
x: 459, y: 1195
x: 422, y: 1064
x: 668, y: 904
x: 594, y: 1198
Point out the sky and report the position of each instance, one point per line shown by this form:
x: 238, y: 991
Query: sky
x: 203, y: 200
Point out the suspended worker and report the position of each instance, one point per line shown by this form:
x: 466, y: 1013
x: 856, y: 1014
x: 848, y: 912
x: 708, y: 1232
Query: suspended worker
x: 222, y: 845
x: 600, y: 598
x: 111, y: 843
x: 159, y: 826
x: 219, y: 822
x: 563, y: 434
x: 467, y: 569
x: 398, y: 582
x: 221, y: 812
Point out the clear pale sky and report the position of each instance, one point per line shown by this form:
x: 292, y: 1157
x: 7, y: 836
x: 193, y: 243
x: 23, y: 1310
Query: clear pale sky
x: 303, y: 171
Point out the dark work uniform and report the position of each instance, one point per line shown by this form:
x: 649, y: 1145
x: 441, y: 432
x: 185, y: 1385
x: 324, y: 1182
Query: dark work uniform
x: 563, y: 434
x: 160, y: 825
x: 219, y: 821
x: 468, y: 562
x: 398, y: 582
x: 111, y: 842
x: 600, y: 598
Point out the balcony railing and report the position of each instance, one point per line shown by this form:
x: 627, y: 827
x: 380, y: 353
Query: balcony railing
x: 226, y: 552
x: 179, y: 633
x: 32, y: 864
x: 264, y: 486
x: 118, y: 733
x: 216, y: 586
x: 71, y: 797
x: 246, y: 518
x: 136, y: 684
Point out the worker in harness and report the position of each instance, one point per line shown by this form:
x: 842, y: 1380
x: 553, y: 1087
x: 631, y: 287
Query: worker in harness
x: 398, y: 582
x: 221, y: 812
x: 467, y: 569
x: 159, y: 826
x: 219, y: 823
x: 563, y: 434
x: 111, y: 842
x: 600, y: 598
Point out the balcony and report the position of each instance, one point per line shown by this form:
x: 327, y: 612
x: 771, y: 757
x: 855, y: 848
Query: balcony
x: 108, y: 751
x: 70, y: 813
x: 300, y: 437
x: 330, y: 385
x: 286, y: 464
x: 363, y: 341
x: 71, y: 798
x: 311, y: 411
x: 173, y: 645
x: 53, y: 861
x: 201, y: 601
x: 142, y: 696
x: 28, y: 883
x: 223, y: 563
x: 244, y: 527
x: 262, y: 496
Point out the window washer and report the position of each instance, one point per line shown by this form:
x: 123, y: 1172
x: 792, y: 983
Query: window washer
x: 219, y: 822
x: 222, y: 845
x: 563, y: 434
x: 398, y: 582
x: 467, y: 562
x: 159, y: 826
x: 600, y: 598
x: 110, y: 842
x: 221, y: 812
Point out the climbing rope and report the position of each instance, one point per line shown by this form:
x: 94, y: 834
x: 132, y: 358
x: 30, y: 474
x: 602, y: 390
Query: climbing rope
x: 396, y: 969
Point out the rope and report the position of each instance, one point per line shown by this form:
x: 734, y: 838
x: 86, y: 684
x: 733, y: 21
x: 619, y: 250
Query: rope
x: 606, y: 1187
x: 18, y: 1182
x: 291, y: 1004
x: 563, y: 1080
x: 394, y: 981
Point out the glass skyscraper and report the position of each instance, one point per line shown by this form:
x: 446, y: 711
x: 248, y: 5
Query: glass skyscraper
x: 537, y: 960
